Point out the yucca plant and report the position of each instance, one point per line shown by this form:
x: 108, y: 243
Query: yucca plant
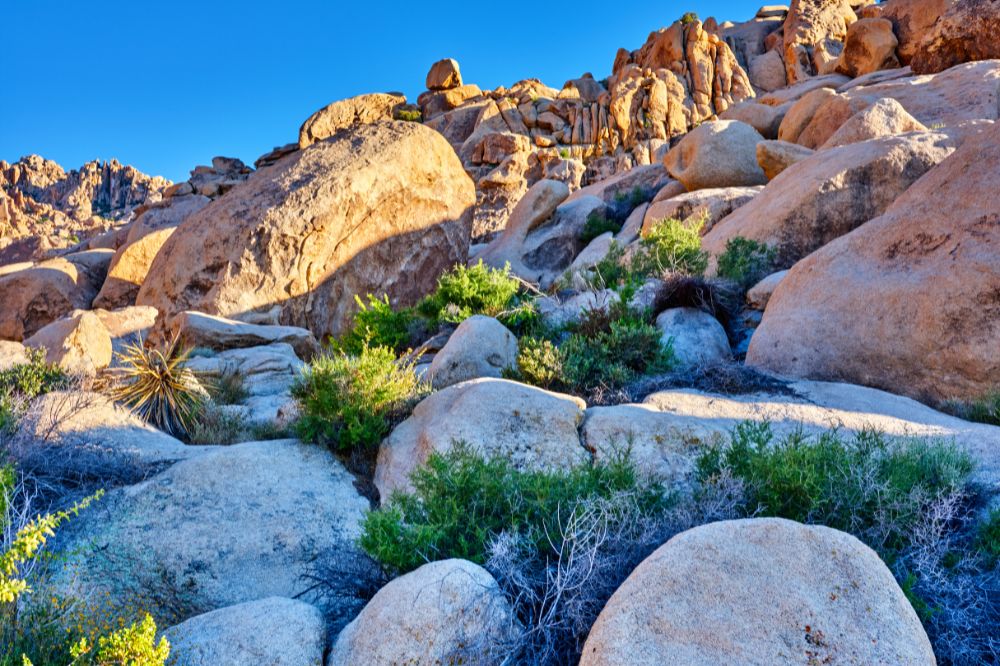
x: 158, y: 387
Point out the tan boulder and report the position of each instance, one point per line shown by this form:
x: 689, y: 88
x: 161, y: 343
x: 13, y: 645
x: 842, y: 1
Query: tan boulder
x: 444, y: 75
x: 830, y: 193
x: 870, y: 46
x: 11, y: 354
x: 759, y: 591
x: 696, y: 337
x: 759, y: 294
x: 886, y: 117
x: 764, y: 118
x: 932, y: 261
x: 129, y: 269
x: 480, y: 347
x: 41, y: 294
x: 197, y: 329
x: 834, y: 111
x: 801, y: 113
x: 360, y: 110
x: 79, y: 344
x: 776, y: 156
x: 911, y: 21
x: 708, y: 205
x: 814, y: 34
x: 381, y: 208
x: 533, y: 428
x: 717, y: 154
x: 967, y: 30
x: 767, y: 71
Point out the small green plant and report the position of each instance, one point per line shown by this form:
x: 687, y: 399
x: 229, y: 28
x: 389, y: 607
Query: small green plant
x: 564, y: 153
x: 376, y: 324
x: 745, y: 261
x: 229, y: 389
x: 983, y: 410
x: 539, y: 362
x: 349, y: 402
x: 23, y: 382
x: 158, y: 388
x: 598, y: 223
x: 672, y: 246
x: 409, y: 115
x: 478, y: 289
x: 134, y: 645
x: 461, y: 501
x: 988, y: 537
x: 689, y: 17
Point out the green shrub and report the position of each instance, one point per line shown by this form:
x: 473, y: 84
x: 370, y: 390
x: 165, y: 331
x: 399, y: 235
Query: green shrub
x: 376, y: 324
x: 479, y: 289
x: 868, y: 485
x: 539, y: 363
x: 597, y: 224
x: 612, y: 272
x: 672, y: 246
x: 229, y: 389
x: 158, y: 387
x: 134, y: 645
x: 984, y: 410
x: 689, y: 17
x: 409, y: 115
x: 745, y: 261
x: 26, y: 381
x: 988, y: 537
x: 461, y: 501
x: 348, y: 401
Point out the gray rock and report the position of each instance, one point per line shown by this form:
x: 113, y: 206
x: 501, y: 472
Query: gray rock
x: 697, y: 337
x: 197, y: 329
x: 480, y: 347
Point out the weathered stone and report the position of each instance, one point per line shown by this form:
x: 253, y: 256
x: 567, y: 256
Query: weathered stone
x: 480, y: 347
x: 870, y: 46
x: 767, y: 71
x: 912, y: 21
x: 762, y: 117
x: 696, y: 337
x: 717, y: 154
x: 759, y: 294
x: 197, y: 329
x: 966, y: 31
x: 380, y: 209
x: 707, y: 206
x: 274, y: 631
x: 79, y: 343
x: 814, y: 33
x: 708, y: 596
x: 886, y: 117
x: 557, y: 312
x: 346, y: 113
x: 830, y: 193
x: 41, y: 294
x: 936, y: 327
x: 444, y: 75
x: 535, y: 429
x: 445, y: 612
x: 776, y: 156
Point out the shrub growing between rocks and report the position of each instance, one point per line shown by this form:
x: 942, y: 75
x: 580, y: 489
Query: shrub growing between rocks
x: 671, y: 246
x: 746, y: 261
x: 984, y: 410
x: 23, y: 382
x: 478, y: 289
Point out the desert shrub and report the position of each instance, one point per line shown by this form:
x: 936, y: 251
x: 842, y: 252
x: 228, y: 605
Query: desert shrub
x: 598, y: 223
x: 461, y: 501
x: 229, y: 389
x: 745, y: 261
x: 351, y: 401
x: 134, y: 645
x: 871, y: 486
x: 376, y: 324
x: 478, y: 289
x: 671, y: 246
x: 988, y: 537
x: 539, y: 362
x: 158, y: 387
x: 688, y: 17
x: 26, y: 381
x: 677, y: 290
x: 409, y: 115
x: 613, y: 272
x: 982, y: 410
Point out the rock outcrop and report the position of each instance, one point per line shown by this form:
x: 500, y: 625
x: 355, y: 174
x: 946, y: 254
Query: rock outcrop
x: 380, y: 209
x: 717, y: 154
x: 814, y: 35
x: 966, y: 31
x: 759, y: 591
x: 932, y: 264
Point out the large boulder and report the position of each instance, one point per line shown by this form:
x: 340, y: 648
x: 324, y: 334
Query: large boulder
x: 534, y: 428
x: 886, y: 117
x: 445, y: 612
x: 480, y: 347
x: 759, y: 591
x: 814, y: 35
x: 696, y: 337
x: 379, y: 209
x: 444, y: 75
x: 912, y: 21
x: 234, y: 524
x: 966, y: 31
x: 273, y: 631
x: 79, y: 343
x: 708, y: 206
x: 40, y: 294
x: 348, y: 113
x: 197, y: 329
x: 932, y: 262
x: 829, y: 194
x: 776, y: 156
x: 870, y: 46
x: 717, y: 154
x: 12, y: 354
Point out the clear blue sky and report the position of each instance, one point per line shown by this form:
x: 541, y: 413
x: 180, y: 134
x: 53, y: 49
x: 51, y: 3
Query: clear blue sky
x: 165, y: 86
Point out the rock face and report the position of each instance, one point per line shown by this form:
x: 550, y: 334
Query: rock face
x: 941, y: 270
x: 231, y: 525
x: 717, y: 154
x: 196, y: 329
x: 273, y: 631
x: 870, y: 46
x: 345, y: 113
x: 759, y: 294
x: 814, y: 33
x: 829, y: 194
x: 696, y: 337
x: 912, y: 21
x: 886, y: 117
x: 535, y: 429
x: 445, y: 612
x: 479, y: 347
x: 966, y: 31
x: 79, y: 344
x: 759, y: 591
x: 380, y: 209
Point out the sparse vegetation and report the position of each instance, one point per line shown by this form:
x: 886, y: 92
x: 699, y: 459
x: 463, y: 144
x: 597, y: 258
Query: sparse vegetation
x: 597, y: 224
x: 689, y: 17
x: 539, y: 362
x: 672, y: 246
x: 409, y: 115
x: 158, y: 387
x: 745, y: 261
x: 377, y: 324
x: 983, y: 410
x: 351, y: 401
x: 23, y: 382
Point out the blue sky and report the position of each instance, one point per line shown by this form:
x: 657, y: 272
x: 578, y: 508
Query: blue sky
x: 165, y: 86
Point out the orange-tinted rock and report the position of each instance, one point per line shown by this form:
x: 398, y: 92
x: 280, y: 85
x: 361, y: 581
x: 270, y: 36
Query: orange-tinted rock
x: 968, y: 30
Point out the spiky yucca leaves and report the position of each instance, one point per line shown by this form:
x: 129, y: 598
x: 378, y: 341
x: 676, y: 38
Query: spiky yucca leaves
x: 158, y: 387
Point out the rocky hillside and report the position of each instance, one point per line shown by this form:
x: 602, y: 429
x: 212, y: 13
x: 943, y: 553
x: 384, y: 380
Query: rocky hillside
x: 44, y: 208
x: 696, y: 363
